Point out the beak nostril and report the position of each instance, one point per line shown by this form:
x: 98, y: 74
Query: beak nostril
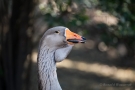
x: 75, y: 35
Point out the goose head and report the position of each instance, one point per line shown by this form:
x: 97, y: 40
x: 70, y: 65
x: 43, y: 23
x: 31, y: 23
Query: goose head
x: 55, y: 45
x: 58, y: 36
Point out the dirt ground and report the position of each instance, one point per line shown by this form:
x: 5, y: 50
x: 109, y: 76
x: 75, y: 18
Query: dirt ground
x: 106, y: 74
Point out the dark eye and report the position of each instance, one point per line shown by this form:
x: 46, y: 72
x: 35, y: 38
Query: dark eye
x: 56, y: 31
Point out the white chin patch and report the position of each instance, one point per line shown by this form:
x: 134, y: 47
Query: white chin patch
x: 65, y: 31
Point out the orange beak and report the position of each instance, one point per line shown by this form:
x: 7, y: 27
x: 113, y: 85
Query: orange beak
x: 72, y: 37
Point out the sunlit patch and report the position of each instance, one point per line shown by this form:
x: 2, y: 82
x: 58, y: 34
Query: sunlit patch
x: 99, y: 16
x: 34, y: 56
x: 113, y: 72
x: 102, y: 46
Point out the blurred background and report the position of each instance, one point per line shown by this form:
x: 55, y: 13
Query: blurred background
x: 105, y: 62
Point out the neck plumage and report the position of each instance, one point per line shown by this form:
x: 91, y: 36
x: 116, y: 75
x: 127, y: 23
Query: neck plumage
x: 47, y: 69
x: 47, y: 58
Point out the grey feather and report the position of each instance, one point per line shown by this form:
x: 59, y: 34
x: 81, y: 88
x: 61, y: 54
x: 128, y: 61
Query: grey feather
x: 51, y: 50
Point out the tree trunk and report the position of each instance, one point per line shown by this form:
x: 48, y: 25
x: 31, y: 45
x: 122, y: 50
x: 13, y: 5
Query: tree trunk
x: 15, y: 42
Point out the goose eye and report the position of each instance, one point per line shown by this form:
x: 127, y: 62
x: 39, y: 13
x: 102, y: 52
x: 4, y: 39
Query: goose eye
x: 56, y: 31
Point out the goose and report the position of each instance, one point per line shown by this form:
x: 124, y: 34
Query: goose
x: 54, y: 46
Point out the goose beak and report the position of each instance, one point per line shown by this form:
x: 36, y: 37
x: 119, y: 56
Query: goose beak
x: 72, y: 37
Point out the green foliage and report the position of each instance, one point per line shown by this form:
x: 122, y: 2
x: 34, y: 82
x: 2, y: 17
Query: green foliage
x: 124, y: 11
x: 65, y: 13
x: 72, y: 13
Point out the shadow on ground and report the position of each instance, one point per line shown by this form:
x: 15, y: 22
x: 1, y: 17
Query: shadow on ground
x: 78, y: 80
x: 75, y: 79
